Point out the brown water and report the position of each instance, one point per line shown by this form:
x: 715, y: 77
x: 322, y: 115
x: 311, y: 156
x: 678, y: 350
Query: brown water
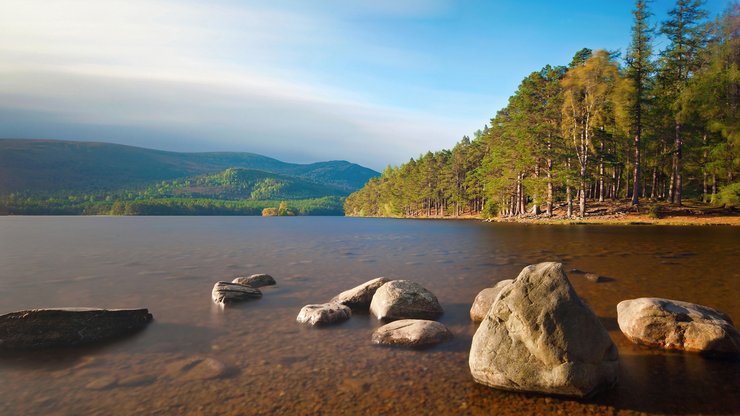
x: 279, y: 367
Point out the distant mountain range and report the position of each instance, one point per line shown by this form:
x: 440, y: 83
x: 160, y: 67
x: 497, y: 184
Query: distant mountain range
x: 56, y: 166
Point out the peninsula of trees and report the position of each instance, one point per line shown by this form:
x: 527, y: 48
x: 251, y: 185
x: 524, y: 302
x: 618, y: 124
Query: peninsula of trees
x: 641, y: 126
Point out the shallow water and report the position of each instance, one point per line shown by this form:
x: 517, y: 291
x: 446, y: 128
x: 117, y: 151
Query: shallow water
x: 169, y: 264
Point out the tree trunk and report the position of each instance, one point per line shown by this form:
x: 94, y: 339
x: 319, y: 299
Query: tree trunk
x: 679, y: 167
x: 704, y: 170
x: 582, y: 196
x: 535, y: 199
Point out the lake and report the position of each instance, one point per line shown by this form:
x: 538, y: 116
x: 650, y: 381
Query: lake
x: 169, y: 265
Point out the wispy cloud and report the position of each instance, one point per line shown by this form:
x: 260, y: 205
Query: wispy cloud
x: 219, y: 76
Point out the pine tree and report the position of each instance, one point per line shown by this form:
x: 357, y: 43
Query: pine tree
x: 686, y: 34
x: 639, y: 68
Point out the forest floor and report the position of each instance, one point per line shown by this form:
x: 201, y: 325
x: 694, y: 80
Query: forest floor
x: 623, y: 213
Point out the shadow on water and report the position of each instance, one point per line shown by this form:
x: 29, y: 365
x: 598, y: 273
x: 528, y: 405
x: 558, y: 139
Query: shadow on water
x: 675, y: 383
x: 157, y: 337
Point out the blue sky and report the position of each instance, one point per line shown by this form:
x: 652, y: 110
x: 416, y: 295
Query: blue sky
x: 373, y: 82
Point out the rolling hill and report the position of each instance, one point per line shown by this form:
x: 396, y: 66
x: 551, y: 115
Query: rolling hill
x: 56, y: 166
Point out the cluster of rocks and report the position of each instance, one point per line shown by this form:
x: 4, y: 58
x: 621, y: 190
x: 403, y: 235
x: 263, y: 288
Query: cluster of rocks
x: 537, y: 335
x: 241, y: 289
x: 411, y: 308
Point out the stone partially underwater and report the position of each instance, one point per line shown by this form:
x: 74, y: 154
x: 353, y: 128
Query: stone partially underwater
x: 68, y: 327
x: 675, y: 325
x: 538, y: 336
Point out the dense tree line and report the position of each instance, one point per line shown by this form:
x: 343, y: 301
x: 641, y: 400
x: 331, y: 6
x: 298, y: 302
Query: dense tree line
x: 13, y: 205
x: 658, y: 126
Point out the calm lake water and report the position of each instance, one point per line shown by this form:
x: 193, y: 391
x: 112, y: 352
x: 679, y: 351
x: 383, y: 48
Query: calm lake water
x: 169, y: 265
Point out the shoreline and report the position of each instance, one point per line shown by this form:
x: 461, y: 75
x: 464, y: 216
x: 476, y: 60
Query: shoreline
x: 617, y: 213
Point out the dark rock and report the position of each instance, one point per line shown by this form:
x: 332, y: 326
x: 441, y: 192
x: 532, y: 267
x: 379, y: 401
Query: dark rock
x: 66, y: 327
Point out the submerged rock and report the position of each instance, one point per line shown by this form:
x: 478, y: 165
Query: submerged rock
x: 255, y: 280
x: 324, y: 314
x: 403, y: 299
x: 676, y: 325
x: 66, y: 327
x: 485, y: 298
x: 411, y: 333
x: 539, y: 336
x: 225, y: 292
x: 593, y: 277
x: 359, y: 297
x: 197, y: 368
x: 102, y: 383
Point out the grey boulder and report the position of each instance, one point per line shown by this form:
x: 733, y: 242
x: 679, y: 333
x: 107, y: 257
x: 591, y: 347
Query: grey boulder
x: 485, y: 298
x: 403, y: 299
x: 225, y: 292
x: 359, y: 297
x: 324, y: 314
x: 67, y: 327
x: 255, y: 280
x: 411, y: 333
x: 540, y: 337
x: 675, y: 325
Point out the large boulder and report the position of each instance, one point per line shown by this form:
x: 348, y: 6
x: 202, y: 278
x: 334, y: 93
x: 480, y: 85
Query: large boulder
x: 485, y: 298
x: 225, y: 292
x: 539, y: 336
x: 255, y: 280
x: 324, y: 314
x: 359, y: 297
x: 411, y: 333
x: 676, y: 325
x: 403, y: 299
x: 66, y: 327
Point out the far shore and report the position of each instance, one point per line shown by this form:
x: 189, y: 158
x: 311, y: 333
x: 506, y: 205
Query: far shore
x: 610, y: 213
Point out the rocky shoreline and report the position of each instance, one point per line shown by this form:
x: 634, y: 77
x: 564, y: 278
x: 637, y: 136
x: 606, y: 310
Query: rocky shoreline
x: 535, y: 334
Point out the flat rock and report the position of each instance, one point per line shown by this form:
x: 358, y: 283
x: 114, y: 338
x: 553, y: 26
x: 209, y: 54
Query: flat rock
x: 540, y: 337
x: 102, y: 383
x: 197, y: 368
x: 324, y: 314
x: 67, y: 327
x: 136, y: 380
x: 404, y: 299
x: 675, y: 325
x: 411, y: 333
x: 359, y: 297
x: 225, y: 292
x: 485, y: 298
x: 255, y: 280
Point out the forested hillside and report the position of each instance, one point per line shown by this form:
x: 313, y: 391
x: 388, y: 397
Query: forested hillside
x: 48, y: 177
x: 47, y: 166
x: 634, y: 126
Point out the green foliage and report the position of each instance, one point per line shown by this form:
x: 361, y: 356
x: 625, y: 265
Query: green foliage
x: 576, y: 132
x: 729, y: 195
x: 46, y: 166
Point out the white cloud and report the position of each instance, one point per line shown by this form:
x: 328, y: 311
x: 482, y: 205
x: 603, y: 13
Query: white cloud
x: 226, y: 75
